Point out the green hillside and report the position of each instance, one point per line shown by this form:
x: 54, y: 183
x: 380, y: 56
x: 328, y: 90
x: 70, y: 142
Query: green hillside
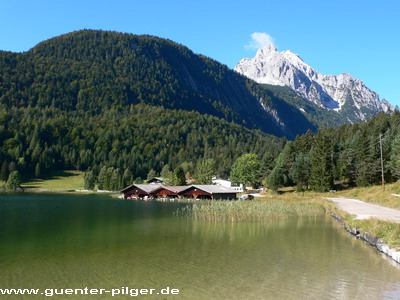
x: 132, y: 141
x: 94, y: 71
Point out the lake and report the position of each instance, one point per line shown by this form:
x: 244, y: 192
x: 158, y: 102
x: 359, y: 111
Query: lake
x: 60, y: 241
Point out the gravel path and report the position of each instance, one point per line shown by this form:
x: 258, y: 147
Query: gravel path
x: 365, y: 210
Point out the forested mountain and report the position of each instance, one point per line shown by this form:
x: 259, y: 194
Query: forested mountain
x: 347, y: 155
x: 93, y: 71
x: 122, y: 106
x: 128, y: 143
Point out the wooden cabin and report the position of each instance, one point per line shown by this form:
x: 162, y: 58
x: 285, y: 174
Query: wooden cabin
x: 198, y: 191
x: 169, y: 191
x: 208, y: 191
x: 139, y: 191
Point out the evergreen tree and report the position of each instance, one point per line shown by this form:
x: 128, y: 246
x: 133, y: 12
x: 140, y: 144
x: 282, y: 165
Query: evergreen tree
x: 395, y: 157
x: 127, y: 178
x: 279, y: 175
x: 38, y: 170
x: 89, y: 180
x: 179, y: 176
x: 275, y: 180
x: 151, y: 174
x: 115, y: 182
x: 4, y: 171
x: 205, y: 170
x: 300, y: 172
x: 167, y: 175
x: 101, y: 179
x: 12, y: 167
x: 14, y: 181
x: 321, y: 177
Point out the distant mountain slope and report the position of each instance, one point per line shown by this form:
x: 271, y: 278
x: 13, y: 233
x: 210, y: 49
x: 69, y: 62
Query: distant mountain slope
x: 133, y: 141
x: 343, y: 93
x: 93, y: 71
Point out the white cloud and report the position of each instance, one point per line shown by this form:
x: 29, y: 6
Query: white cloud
x: 258, y: 40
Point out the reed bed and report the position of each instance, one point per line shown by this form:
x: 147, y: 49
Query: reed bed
x: 236, y: 211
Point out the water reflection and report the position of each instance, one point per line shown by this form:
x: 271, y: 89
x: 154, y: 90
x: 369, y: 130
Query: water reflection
x: 69, y: 241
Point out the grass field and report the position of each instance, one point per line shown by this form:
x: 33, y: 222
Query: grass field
x: 58, y: 181
x: 375, y: 194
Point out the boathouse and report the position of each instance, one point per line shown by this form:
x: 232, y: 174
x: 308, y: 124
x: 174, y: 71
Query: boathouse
x: 139, y: 190
x: 198, y: 191
x: 209, y: 191
x: 169, y: 191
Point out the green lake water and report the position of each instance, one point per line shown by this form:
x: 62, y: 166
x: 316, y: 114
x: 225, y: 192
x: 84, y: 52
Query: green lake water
x: 77, y: 241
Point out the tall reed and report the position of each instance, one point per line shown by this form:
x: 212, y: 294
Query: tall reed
x: 249, y: 210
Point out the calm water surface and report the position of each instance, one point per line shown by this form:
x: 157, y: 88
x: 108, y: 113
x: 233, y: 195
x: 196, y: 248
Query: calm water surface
x: 78, y: 241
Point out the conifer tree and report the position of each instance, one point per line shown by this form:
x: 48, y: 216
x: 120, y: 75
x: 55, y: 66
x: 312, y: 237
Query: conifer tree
x: 300, y: 172
x: 179, y: 176
x: 321, y: 177
x: 4, y: 171
x: 14, y: 181
x: 276, y: 180
x: 205, y: 170
x: 89, y: 180
x: 395, y: 157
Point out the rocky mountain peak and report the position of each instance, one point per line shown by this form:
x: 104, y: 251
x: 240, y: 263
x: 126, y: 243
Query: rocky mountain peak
x: 286, y: 68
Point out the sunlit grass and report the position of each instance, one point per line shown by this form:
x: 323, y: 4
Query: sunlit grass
x: 375, y: 194
x: 58, y: 181
x: 388, y: 231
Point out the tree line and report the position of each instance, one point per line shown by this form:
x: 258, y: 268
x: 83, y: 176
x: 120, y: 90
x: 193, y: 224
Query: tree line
x: 347, y: 156
x: 122, y: 146
x: 119, y: 148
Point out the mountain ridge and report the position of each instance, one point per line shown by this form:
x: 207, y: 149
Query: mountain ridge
x: 94, y: 70
x: 269, y: 66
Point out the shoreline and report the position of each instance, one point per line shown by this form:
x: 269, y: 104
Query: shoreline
x: 78, y: 192
x: 376, y: 242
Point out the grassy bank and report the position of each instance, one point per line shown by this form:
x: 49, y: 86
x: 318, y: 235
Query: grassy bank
x: 375, y: 194
x: 57, y: 181
x: 235, y: 211
x: 389, y: 232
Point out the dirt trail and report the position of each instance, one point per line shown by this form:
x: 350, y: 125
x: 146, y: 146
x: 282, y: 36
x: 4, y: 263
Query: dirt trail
x: 365, y: 210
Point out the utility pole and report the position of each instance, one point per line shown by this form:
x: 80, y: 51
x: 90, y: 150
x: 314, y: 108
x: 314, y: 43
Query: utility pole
x: 383, y: 176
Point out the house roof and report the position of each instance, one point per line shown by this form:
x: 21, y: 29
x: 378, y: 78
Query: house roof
x: 173, y: 188
x: 213, y: 189
x: 156, y: 179
x: 208, y: 188
x: 148, y: 188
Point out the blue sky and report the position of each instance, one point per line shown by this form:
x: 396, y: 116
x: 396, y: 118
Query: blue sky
x: 353, y: 36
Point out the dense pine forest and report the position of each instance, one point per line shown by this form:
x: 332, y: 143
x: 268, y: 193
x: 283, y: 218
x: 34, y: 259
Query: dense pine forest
x: 129, y: 143
x: 94, y: 71
x: 349, y: 156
